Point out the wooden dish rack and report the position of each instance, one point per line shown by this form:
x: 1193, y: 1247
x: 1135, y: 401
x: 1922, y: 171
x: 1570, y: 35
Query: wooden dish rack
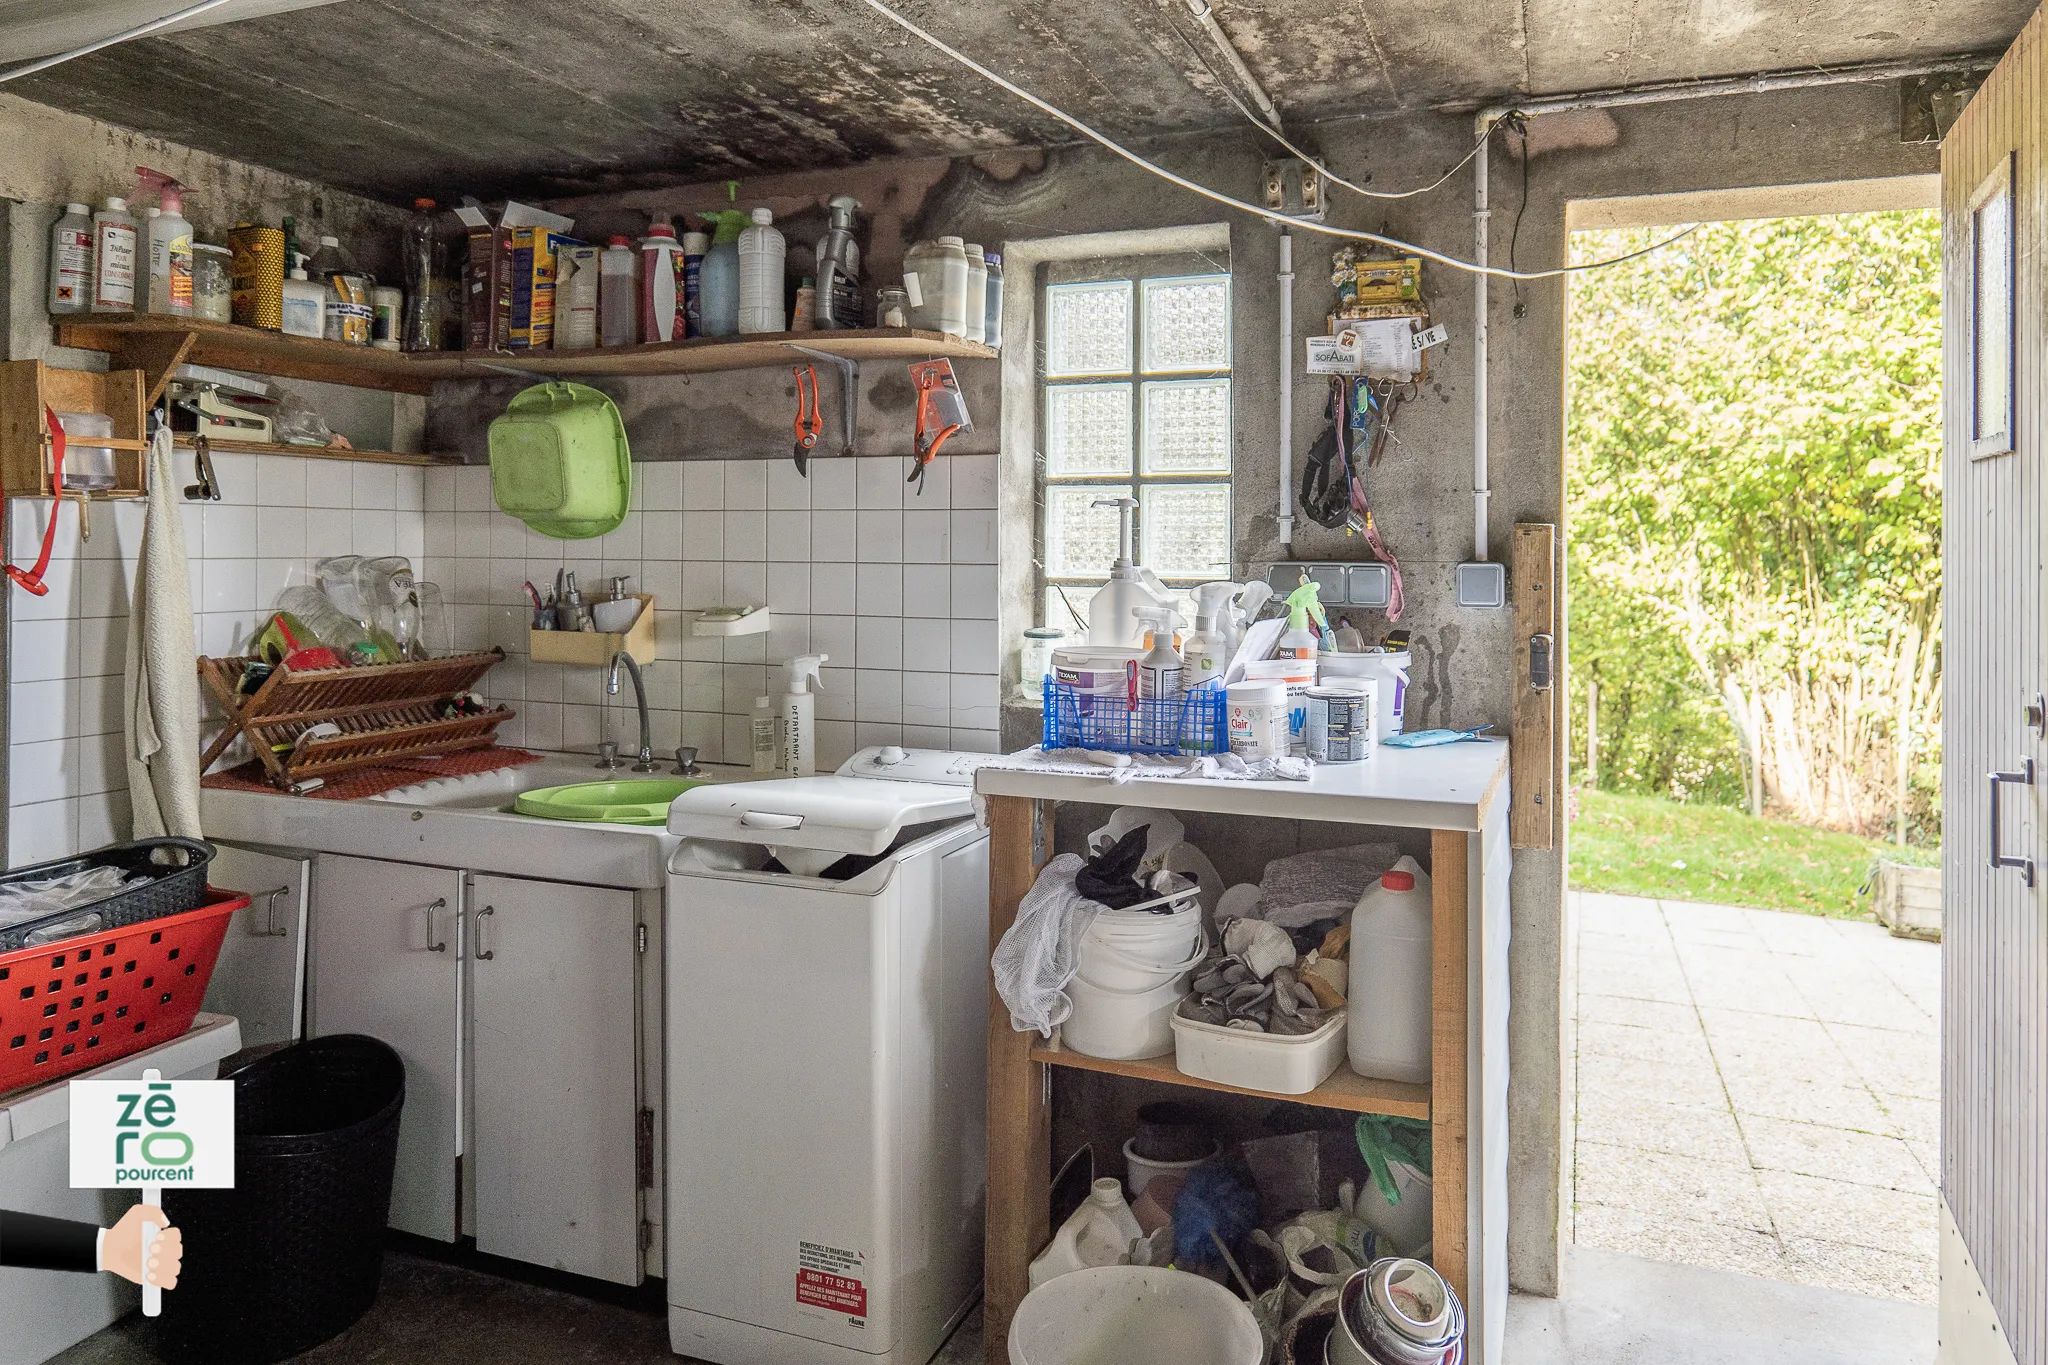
x: 385, y: 711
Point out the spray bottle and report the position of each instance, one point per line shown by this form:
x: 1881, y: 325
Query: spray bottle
x: 170, y: 247
x: 1110, y: 619
x: 1304, y: 605
x: 718, y: 286
x: 1215, y: 619
x: 1159, y: 677
x: 799, y: 715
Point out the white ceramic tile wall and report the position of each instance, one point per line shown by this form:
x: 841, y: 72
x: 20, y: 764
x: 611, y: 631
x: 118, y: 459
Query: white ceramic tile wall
x: 66, y: 774
x: 899, y: 589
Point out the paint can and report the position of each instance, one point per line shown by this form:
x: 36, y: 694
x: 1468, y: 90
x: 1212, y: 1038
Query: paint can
x: 257, y: 275
x: 1340, y: 724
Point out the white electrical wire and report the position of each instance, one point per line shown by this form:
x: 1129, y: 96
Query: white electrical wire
x: 1227, y: 201
x: 140, y: 30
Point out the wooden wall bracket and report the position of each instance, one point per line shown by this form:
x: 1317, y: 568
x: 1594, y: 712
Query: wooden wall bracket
x: 1539, y: 674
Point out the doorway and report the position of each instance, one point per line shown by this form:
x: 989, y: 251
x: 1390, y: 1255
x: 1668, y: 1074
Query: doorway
x: 1754, y: 541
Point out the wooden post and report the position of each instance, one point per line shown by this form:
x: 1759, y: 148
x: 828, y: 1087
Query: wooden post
x: 1451, y: 916
x: 1593, y: 728
x: 1532, y: 784
x: 1019, y: 1119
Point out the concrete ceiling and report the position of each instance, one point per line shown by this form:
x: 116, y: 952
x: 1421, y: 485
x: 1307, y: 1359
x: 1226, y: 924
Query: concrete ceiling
x: 393, y: 98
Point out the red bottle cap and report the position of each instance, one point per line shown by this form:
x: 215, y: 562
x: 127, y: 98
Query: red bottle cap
x: 1398, y: 881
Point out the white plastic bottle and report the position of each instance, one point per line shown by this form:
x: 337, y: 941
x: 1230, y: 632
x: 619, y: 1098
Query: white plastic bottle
x: 661, y: 280
x: 976, y: 302
x: 1388, y: 1024
x: 170, y: 247
x: 1159, y: 672
x: 1102, y: 1231
x: 992, y: 312
x: 1213, y: 603
x: 1203, y: 657
x: 950, y: 267
x: 71, y: 260
x: 304, y: 302
x: 113, y: 257
x: 799, y: 715
x: 618, y: 294
x: 763, y: 731
x: 761, y: 255
x: 1110, y: 621
x: 922, y: 284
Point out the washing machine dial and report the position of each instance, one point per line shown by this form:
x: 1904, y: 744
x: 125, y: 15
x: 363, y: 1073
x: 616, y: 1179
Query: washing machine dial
x: 890, y: 755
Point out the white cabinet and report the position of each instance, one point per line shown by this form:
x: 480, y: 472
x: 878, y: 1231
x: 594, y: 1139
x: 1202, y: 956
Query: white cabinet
x: 386, y: 961
x: 260, y: 977
x: 554, y: 1043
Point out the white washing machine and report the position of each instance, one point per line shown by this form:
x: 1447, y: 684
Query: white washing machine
x: 827, y: 984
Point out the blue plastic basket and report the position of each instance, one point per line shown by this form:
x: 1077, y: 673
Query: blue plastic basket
x: 1193, y: 723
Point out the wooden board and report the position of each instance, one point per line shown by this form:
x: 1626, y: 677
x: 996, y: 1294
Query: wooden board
x: 223, y: 446
x: 1532, y: 782
x: 28, y: 386
x: 254, y: 350
x: 1019, y: 1115
x: 1449, y: 881
x: 1345, y: 1089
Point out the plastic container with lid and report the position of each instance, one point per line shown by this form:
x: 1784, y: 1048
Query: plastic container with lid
x: 1098, y: 1233
x: 1281, y: 1064
x: 86, y: 466
x: 213, y: 282
x: 1258, y: 719
x: 761, y: 251
x: 1122, y: 1025
x: 975, y: 304
x: 892, y: 308
x: 1390, y: 965
x: 1387, y: 669
x: 922, y: 284
x: 950, y: 271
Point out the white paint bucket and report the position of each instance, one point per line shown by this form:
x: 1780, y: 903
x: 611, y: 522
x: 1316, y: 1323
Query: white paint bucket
x: 1122, y: 1026
x: 1133, y: 1315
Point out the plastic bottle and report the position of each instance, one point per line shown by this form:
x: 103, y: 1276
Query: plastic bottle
x: 1387, y: 1033
x: 1213, y: 604
x: 1203, y: 657
x: 113, y: 257
x: 695, y: 244
x: 661, y: 284
x: 720, y: 288
x: 349, y: 311
x: 950, y: 316
x: 576, y: 289
x: 305, y: 303
x: 975, y: 304
x: 924, y: 282
x: 839, y: 296
x: 170, y: 247
x: 421, y: 269
x: 1159, y: 672
x: 1110, y: 621
x: 1304, y: 605
x: 761, y: 251
x: 1100, y: 1232
x: 71, y: 260
x: 1349, y: 641
x: 618, y: 294
x: 803, y: 316
x: 992, y: 312
x: 798, y: 716
x: 763, y: 730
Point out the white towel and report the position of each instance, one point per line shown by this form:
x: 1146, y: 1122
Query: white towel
x: 160, y: 693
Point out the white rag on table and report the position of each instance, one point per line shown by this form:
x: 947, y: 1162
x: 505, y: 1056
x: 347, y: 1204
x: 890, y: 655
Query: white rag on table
x: 1232, y: 767
x: 160, y: 692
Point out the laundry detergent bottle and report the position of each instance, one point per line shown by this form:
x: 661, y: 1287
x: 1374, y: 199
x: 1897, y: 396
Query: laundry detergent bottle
x: 799, y: 715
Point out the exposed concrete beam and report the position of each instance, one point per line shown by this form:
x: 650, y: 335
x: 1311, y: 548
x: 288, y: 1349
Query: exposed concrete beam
x: 38, y: 28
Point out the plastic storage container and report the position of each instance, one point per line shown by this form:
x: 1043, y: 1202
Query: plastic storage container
x: 1079, y: 720
x: 292, y: 1255
x: 1390, y: 966
x: 1387, y: 669
x: 1122, y: 1026
x: 1276, y: 1063
x: 1140, y: 1171
x: 213, y: 282
x: 975, y: 302
x: 1134, y: 1315
x: 992, y: 312
x: 950, y: 270
x: 86, y: 466
x: 1098, y: 1233
x: 761, y: 251
x: 922, y: 285
x: 1134, y: 950
x: 177, y: 868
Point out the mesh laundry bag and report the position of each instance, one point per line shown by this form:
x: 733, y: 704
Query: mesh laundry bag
x: 1040, y: 953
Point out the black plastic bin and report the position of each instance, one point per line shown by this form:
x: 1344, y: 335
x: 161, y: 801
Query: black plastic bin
x: 292, y: 1255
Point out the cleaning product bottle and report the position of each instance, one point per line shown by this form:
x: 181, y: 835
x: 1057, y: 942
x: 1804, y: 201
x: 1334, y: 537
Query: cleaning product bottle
x: 170, y: 247
x: 839, y: 301
x: 992, y: 316
x: 1159, y: 678
x: 305, y: 303
x: 113, y: 257
x: 1389, y: 1025
x: 1213, y: 603
x: 1304, y: 605
x: 1203, y: 656
x: 799, y: 712
x: 764, y: 731
x: 661, y: 284
x: 618, y: 294
x: 1100, y: 1232
x: 349, y: 314
x: 695, y: 244
x: 421, y: 268
x: 761, y: 251
x: 803, y: 314
x: 977, y: 293
x: 720, y: 288
x: 71, y: 261
x: 1110, y: 621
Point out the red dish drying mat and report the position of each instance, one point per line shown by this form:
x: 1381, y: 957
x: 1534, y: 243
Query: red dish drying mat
x: 362, y: 782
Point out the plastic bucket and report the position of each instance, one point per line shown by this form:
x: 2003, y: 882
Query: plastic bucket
x: 1133, y: 1315
x: 1135, y: 951
x: 1141, y: 1171
x: 1406, y: 1224
x: 1122, y: 1026
x: 1388, y: 670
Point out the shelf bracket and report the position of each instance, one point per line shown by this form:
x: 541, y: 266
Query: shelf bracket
x: 156, y: 354
x: 849, y: 393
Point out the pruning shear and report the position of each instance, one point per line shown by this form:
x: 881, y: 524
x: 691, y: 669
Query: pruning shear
x: 810, y: 419
x: 941, y: 413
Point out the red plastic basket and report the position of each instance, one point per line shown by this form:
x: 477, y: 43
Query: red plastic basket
x: 82, y: 1003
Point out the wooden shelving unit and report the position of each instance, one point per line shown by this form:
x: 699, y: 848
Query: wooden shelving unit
x: 156, y: 345
x: 1345, y: 1089
x: 28, y: 386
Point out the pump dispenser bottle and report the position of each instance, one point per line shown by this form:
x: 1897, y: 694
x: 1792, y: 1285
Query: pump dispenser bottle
x: 1110, y: 619
x: 799, y: 715
x: 170, y: 247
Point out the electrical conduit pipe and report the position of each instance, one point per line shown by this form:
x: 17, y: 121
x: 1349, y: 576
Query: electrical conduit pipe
x: 1286, y: 278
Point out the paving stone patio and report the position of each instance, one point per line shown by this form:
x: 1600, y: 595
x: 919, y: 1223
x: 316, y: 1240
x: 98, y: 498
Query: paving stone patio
x: 1758, y: 1092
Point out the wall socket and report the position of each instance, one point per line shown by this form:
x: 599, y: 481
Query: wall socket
x: 1343, y: 585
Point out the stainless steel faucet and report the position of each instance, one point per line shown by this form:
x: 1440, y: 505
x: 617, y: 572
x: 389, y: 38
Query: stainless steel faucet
x: 611, y: 687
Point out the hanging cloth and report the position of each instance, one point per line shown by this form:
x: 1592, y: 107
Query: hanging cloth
x: 160, y: 692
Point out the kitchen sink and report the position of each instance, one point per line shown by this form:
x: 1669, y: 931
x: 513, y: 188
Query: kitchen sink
x: 502, y: 789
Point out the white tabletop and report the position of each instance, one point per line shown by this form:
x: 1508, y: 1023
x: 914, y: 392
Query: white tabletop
x: 1451, y: 786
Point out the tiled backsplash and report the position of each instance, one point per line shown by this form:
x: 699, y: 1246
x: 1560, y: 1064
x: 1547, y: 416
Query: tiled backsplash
x: 898, y: 589
x: 67, y: 780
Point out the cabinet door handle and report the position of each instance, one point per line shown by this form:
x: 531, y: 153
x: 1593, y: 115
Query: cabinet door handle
x: 271, y: 928
x: 1999, y: 858
x: 440, y: 903
x: 483, y: 954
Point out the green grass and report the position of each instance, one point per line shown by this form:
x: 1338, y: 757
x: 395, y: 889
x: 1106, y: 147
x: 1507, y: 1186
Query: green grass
x: 1648, y: 846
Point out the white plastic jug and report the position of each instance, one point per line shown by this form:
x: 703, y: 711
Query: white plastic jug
x: 761, y: 253
x: 1100, y: 1232
x: 1388, y: 1031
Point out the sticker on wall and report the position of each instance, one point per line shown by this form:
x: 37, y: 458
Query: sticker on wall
x: 1337, y: 354
x: 832, y: 1282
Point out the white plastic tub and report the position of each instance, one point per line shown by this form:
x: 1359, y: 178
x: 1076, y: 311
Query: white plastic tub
x: 1280, y: 1064
x: 1141, y: 1171
x: 1133, y: 1315
x: 1127, y: 950
x: 1122, y: 1026
x: 1407, y: 1224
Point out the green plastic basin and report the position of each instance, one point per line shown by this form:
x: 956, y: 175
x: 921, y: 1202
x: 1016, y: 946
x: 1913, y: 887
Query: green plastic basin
x: 635, y: 801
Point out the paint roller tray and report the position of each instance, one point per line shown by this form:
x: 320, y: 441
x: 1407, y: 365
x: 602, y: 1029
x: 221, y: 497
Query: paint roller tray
x: 637, y: 801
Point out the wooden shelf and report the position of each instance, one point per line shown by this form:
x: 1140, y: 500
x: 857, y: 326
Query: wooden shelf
x: 157, y: 345
x: 1345, y: 1089
x: 223, y: 446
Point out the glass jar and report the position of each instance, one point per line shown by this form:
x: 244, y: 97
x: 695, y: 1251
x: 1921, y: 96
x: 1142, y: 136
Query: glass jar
x: 1035, y: 662
x: 892, y: 308
x: 212, y: 282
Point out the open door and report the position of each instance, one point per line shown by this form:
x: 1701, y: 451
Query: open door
x: 1994, y: 170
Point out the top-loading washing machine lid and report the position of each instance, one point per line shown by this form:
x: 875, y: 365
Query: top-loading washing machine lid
x: 894, y: 763
x: 843, y: 814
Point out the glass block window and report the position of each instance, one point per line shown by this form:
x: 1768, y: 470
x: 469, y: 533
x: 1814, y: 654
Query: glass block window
x: 1136, y: 403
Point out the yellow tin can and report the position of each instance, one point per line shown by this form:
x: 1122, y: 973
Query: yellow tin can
x: 258, y: 274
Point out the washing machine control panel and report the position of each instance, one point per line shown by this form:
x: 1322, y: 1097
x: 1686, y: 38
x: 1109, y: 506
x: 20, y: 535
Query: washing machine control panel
x: 895, y: 763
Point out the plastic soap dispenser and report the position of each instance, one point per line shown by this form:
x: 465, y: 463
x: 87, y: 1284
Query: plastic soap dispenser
x: 799, y: 715
x: 1159, y: 672
x: 304, y: 303
x: 1304, y: 605
x: 170, y: 247
x: 1110, y: 618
